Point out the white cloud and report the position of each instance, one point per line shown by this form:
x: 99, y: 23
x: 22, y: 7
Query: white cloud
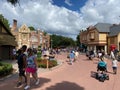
x: 101, y: 11
x: 68, y: 2
x: 59, y: 20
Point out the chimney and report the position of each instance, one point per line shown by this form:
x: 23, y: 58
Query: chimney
x: 14, y: 24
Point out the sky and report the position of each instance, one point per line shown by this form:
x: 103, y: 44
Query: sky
x: 62, y: 17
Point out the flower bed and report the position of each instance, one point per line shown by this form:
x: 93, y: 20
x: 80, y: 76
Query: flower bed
x: 43, y: 63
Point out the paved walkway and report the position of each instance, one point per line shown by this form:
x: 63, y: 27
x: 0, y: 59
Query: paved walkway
x: 69, y: 77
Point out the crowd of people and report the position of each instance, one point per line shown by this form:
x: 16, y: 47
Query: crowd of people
x: 73, y: 56
x: 102, y: 65
x: 27, y: 62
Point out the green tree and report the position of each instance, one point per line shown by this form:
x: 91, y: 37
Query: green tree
x: 5, y: 21
x: 31, y: 28
x: 78, y: 40
x: 44, y: 33
x: 61, y: 41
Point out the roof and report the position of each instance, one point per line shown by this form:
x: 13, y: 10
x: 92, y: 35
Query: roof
x: 8, y: 31
x: 7, y: 40
x: 103, y: 27
x: 114, y: 30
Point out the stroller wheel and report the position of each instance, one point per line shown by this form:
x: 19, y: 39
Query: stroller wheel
x: 101, y: 79
x: 107, y: 77
x: 97, y: 76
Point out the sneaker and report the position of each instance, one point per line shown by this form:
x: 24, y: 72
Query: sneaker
x: 26, y: 87
x: 37, y: 82
x: 19, y: 84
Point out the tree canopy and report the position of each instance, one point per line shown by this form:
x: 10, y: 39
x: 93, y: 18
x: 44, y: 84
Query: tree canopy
x: 60, y: 41
x: 5, y: 21
x: 31, y: 28
x: 78, y: 40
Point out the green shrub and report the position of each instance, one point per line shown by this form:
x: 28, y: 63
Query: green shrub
x: 5, y: 69
x: 39, y: 59
x: 39, y: 54
x: 43, y: 63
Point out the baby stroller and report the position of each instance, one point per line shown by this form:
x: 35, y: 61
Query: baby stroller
x: 101, y: 74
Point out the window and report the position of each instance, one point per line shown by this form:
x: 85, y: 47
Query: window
x: 34, y: 39
x: 24, y: 37
x: 92, y: 35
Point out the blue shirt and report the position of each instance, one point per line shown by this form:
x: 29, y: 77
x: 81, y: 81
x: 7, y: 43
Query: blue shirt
x: 72, y: 55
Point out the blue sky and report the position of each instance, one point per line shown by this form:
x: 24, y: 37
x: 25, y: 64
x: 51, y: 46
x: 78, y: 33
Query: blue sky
x: 62, y: 17
x: 74, y: 5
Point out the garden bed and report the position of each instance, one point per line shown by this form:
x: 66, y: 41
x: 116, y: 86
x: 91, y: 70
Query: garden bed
x: 43, y: 63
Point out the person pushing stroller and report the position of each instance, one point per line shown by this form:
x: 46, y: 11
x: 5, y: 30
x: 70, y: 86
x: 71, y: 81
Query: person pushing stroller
x: 102, y: 65
x: 101, y: 70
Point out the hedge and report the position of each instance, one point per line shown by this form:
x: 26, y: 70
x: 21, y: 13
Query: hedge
x: 5, y: 69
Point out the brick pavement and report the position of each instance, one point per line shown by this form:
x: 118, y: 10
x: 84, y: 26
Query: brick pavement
x: 70, y: 77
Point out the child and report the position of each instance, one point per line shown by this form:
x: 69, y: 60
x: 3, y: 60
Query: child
x: 114, y: 65
x: 31, y: 68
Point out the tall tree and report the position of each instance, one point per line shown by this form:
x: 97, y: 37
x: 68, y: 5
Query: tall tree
x: 5, y: 21
x: 78, y: 40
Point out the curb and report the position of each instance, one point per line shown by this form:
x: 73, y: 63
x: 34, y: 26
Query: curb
x: 8, y: 76
x: 40, y: 70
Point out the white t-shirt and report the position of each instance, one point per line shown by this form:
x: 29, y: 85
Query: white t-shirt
x: 14, y: 51
x: 114, y: 63
x: 99, y: 54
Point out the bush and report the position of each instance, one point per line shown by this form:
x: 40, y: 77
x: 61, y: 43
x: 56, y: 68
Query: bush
x: 5, y: 69
x: 43, y: 63
x: 39, y: 54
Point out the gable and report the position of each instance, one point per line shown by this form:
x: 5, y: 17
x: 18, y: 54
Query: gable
x: 24, y: 29
x: 4, y: 29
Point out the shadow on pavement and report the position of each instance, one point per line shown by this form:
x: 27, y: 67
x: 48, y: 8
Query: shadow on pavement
x: 11, y: 84
x: 65, y: 85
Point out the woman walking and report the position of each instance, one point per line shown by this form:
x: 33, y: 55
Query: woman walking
x: 31, y: 68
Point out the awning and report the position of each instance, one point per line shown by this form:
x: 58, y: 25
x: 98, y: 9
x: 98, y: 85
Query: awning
x: 7, y: 40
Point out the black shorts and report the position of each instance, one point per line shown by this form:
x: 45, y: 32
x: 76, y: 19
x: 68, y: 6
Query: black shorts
x: 114, y: 68
x: 21, y: 72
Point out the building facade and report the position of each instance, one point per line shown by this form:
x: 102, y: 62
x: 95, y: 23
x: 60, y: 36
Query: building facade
x: 7, y: 42
x: 95, y: 37
x: 33, y: 39
x: 114, y: 37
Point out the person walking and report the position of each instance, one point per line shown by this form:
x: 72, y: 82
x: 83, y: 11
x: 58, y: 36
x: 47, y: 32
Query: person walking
x: 112, y: 54
x: 21, y: 58
x: 76, y: 55
x: 102, y: 65
x: 114, y: 65
x: 71, y: 57
x: 31, y: 68
x: 14, y: 54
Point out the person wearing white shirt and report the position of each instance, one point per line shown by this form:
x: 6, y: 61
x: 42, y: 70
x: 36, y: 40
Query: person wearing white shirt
x: 114, y: 65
